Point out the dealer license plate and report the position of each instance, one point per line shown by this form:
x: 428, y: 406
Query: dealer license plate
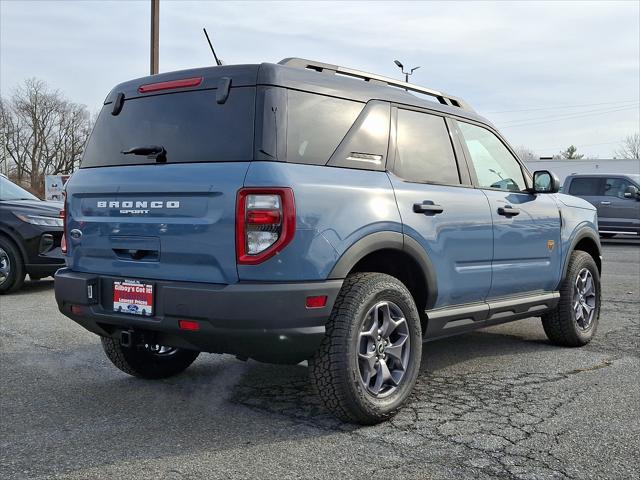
x: 131, y: 296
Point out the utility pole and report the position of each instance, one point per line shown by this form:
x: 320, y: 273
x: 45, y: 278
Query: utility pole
x: 155, y: 35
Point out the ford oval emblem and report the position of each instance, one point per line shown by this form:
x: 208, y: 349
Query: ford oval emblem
x: 75, y: 234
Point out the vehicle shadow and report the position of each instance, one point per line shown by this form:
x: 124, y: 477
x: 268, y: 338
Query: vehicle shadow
x: 31, y: 286
x: 286, y: 390
x: 219, y: 404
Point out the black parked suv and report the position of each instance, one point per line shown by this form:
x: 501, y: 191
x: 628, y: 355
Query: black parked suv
x: 30, y: 234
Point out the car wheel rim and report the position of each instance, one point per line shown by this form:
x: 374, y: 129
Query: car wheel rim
x: 384, y: 349
x: 584, y: 299
x: 5, y: 266
x: 160, y: 350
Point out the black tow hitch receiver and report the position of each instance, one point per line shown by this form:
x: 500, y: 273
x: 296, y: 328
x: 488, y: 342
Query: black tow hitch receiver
x: 126, y: 338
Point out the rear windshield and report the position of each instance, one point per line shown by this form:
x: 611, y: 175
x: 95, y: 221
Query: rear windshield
x: 190, y: 126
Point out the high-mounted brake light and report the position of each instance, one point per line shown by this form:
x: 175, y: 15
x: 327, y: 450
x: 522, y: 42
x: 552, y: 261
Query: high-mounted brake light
x: 265, y: 223
x: 182, y: 83
x: 63, y: 215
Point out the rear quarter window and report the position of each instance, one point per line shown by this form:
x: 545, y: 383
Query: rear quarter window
x: 191, y: 126
x: 316, y: 124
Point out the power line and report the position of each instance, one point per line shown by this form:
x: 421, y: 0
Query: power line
x: 555, y: 119
x: 569, y: 114
x: 578, y: 146
x: 562, y: 106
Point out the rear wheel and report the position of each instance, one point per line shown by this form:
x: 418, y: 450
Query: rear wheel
x: 574, y: 321
x: 368, y: 362
x: 11, y: 267
x: 148, y: 361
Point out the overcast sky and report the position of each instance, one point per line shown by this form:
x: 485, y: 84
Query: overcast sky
x: 547, y: 74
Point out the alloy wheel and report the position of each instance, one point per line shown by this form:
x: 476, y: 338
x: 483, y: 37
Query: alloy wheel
x: 584, y: 299
x: 5, y: 266
x: 384, y: 349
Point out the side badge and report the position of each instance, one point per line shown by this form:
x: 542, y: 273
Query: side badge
x: 550, y: 244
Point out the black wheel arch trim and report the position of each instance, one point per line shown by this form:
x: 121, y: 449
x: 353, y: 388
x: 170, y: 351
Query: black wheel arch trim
x: 583, y: 233
x: 389, y: 241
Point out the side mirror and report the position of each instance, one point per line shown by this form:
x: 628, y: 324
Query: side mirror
x: 545, y: 182
x: 631, y: 192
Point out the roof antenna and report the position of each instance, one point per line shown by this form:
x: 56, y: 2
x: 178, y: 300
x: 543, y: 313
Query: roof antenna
x: 218, y: 62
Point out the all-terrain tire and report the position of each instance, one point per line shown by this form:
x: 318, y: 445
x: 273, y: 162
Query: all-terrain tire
x: 334, y: 369
x: 561, y: 324
x: 11, y: 258
x: 143, y: 363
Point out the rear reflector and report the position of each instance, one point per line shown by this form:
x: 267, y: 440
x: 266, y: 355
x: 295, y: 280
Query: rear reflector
x: 182, y: 83
x: 316, y: 302
x: 77, y: 310
x: 189, y: 325
x: 63, y: 216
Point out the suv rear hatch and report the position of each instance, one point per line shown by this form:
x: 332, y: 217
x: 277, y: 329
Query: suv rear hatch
x: 166, y: 211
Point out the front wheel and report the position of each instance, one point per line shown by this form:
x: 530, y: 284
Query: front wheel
x: 574, y: 321
x: 369, y: 359
x: 11, y: 267
x: 148, y: 361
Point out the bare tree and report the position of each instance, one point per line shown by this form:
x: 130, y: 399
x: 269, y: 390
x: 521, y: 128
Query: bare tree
x: 42, y: 133
x: 630, y: 148
x: 525, y: 154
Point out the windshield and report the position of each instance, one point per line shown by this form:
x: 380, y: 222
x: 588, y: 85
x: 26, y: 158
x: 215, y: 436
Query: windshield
x: 11, y: 191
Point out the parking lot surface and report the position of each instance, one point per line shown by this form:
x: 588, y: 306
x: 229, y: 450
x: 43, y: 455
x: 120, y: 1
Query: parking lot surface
x: 498, y: 403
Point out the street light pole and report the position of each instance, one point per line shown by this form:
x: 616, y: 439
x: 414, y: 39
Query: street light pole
x: 406, y: 73
x: 155, y: 36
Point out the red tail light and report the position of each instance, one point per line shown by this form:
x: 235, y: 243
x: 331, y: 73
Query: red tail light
x: 63, y: 215
x: 265, y: 223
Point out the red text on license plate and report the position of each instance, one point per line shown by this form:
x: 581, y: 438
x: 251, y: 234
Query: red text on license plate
x: 133, y: 297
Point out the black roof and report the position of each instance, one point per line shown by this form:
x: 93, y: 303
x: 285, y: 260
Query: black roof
x: 296, y: 78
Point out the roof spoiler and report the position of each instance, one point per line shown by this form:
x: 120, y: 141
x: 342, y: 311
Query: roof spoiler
x: 442, y: 97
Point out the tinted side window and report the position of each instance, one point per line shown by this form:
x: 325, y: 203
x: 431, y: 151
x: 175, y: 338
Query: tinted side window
x: 494, y: 165
x: 423, y: 149
x: 585, y: 186
x: 316, y: 124
x: 615, y: 187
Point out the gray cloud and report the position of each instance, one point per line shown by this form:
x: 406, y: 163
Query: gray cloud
x: 498, y: 56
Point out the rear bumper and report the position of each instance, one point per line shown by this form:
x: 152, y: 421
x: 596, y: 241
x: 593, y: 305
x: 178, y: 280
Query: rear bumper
x: 265, y: 321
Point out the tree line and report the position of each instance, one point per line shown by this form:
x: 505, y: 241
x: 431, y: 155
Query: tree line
x: 42, y: 133
x: 629, y: 149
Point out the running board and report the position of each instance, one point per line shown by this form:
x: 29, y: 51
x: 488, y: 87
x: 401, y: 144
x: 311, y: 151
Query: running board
x: 447, y: 321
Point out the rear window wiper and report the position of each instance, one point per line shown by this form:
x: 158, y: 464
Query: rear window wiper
x: 156, y: 152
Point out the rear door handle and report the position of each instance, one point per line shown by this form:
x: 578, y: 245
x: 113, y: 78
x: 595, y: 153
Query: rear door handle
x: 427, y: 207
x: 508, y: 211
x: 605, y: 203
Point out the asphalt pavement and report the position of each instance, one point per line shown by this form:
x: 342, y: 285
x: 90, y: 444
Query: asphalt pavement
x: 498, y: 403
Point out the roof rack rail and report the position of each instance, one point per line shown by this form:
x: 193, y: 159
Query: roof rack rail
x: 442, y: 97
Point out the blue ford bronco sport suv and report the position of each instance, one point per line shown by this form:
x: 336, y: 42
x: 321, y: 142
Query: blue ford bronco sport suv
x: 305, y: 211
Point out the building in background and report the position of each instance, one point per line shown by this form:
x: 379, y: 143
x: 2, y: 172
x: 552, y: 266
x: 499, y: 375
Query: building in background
x: 564, y: 168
